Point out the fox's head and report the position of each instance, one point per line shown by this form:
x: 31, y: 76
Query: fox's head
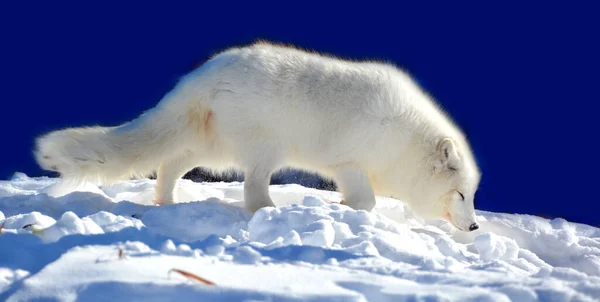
x: 447, y: 184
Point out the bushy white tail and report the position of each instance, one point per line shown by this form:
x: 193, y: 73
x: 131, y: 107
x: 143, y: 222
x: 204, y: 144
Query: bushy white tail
x: 133, y: 149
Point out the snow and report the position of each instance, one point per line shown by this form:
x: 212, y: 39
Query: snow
x: 67, y: 242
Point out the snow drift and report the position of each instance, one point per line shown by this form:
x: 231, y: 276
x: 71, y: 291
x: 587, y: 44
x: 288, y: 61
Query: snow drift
x: 111, y: 243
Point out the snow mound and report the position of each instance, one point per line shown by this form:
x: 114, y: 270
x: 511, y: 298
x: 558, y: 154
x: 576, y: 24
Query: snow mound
x: 66, y: 242
x: 196, y: 221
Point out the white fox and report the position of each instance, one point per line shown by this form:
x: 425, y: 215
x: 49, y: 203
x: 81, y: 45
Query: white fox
x: 264, y: 107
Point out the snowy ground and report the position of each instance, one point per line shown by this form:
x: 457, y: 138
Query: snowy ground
x: 110, y: 244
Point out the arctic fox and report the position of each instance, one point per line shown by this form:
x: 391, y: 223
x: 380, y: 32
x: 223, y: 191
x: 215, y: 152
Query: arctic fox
x: 263, y: 107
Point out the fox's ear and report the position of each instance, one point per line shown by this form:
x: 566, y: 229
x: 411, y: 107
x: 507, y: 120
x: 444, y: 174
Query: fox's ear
x: 446, y: 154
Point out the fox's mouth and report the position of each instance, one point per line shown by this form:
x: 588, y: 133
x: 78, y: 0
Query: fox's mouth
x: 473, y: 227
x: 448, y: 218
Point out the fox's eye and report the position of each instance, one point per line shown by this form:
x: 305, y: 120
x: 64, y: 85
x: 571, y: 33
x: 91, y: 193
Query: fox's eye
x: 461, y: 195
x: 452, y: 169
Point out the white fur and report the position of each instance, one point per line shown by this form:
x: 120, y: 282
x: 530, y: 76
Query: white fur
x: 263, y: 107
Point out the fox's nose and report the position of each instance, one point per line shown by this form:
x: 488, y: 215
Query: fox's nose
x: 473, y: 227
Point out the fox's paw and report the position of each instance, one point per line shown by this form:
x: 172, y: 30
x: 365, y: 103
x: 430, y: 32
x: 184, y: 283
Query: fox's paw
x: 162, y: 202
x: 253, y: 207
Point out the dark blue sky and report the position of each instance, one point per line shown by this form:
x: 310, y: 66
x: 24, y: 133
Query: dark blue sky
x: 521, y: 79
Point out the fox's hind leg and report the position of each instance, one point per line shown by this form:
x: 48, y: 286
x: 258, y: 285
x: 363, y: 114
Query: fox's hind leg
x: 256, y: 188
x: 168, y: 174
x: 355, y: 187
x: 259, y: 163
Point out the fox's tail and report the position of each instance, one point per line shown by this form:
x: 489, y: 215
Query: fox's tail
x: 133, y: 149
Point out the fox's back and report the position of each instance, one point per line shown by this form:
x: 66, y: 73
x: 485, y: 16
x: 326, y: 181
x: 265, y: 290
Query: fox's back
x: 303, y: 99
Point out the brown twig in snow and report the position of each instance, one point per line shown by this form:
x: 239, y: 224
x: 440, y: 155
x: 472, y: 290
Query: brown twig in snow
x: 192, y: 276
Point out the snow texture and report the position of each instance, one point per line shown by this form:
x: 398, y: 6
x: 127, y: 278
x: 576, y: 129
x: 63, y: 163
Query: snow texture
x: 62, y: 242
